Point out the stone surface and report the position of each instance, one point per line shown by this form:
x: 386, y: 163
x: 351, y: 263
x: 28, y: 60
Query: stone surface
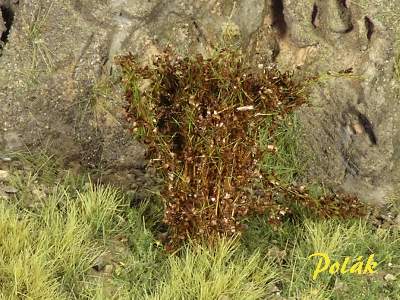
x: 10, y: 190
x: 357, y: 162
x: 56, y: 90
x: 2, y: 24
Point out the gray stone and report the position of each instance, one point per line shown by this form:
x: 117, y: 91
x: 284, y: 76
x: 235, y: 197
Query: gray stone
x: 297, y: 15
x: 2, y: 24
x: 12, y: 140
x: 357, y: 162
x: 10, y: 190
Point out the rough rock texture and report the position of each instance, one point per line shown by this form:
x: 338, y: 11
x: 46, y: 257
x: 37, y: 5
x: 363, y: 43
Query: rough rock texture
x: 2, y: 25
x: 353, y: 122
x: 56, y: 90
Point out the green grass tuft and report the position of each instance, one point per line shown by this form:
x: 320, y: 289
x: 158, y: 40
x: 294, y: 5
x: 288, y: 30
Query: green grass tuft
x: 204, y: 273
x: 284, y: 162
x: 48, y: 252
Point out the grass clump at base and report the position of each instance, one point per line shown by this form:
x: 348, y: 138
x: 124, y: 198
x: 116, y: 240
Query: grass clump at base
x: 55, y: 251
x: 45, y: 255
x: 59, y: 250
x: 346, y: 239
x: 283, y: 161
x: 202, y: 120
x: 290, y: 248
x: 201, y: 272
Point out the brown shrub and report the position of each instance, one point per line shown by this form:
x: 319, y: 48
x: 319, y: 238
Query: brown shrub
x: 201, y: 120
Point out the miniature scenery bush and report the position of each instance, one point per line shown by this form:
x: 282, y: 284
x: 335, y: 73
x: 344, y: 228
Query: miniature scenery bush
x: 202, y: 120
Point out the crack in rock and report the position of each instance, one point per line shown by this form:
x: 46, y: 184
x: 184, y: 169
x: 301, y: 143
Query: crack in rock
x: 7, y: 14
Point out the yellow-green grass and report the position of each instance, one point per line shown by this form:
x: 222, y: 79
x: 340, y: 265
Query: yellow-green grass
x: 48, y: 251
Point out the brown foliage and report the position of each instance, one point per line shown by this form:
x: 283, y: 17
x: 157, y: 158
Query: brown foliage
x: 201, y: 120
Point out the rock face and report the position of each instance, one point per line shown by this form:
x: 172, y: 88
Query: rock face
x: 56, y: 89
x: 2, y: 25
x: 353, y: 124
